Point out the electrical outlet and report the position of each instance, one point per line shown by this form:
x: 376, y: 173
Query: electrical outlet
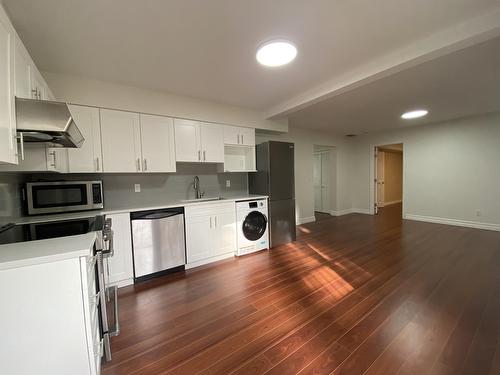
x: 228, y: 183
x: 478, y: 213
x: 137, y: 188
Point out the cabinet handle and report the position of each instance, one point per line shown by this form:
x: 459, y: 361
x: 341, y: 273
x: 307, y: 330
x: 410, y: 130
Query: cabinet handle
x: 20, y: 137
x: 138, y: 164
x: 53, y: 154
x: 210, y: 222
x: 238, y: 139
x: 215, y: 219
x: 199, y: 155
x: 97, y: 167
x: 145, y: 164
x: 204, y: 155
x: 34, y: 93
x: 242, y: 139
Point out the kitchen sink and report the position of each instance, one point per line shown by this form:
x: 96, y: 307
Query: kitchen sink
x: 202, y: 200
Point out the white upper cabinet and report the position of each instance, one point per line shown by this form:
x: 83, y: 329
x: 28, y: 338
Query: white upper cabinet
x: 121, y: 141
x: 198, y: 142
x: 158, y: 146
x: 235, y: 135
x: 8, y: 143
x: 133, y: 142
x: 212, y: 143
x: 88, y: 157
x: 187, y: 140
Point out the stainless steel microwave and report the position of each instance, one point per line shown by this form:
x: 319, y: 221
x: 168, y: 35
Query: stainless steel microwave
x: 63, y: 196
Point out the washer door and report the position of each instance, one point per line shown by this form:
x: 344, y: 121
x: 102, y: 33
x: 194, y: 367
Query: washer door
x: 254, y: 225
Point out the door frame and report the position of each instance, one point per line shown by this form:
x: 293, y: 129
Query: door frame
x: 373, y: 161
x: 331, y: 204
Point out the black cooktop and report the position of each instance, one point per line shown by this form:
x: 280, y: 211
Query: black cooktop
x: 50, y: 229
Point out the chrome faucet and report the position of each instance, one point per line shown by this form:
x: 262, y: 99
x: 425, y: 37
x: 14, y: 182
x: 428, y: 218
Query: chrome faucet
x: 196, y: 186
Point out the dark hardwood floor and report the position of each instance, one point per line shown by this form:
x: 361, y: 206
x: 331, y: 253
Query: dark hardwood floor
x: 355, y: 294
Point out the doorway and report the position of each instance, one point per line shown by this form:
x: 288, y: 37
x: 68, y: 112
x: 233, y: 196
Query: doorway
x: 388, y: 167
x: 324, y: 178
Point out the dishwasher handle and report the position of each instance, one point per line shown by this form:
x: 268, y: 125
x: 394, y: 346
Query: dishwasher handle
x: 156, y: 214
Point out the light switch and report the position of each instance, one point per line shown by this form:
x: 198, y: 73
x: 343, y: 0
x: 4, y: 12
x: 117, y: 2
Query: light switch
x: 137, y: 188
x: 228, y: 183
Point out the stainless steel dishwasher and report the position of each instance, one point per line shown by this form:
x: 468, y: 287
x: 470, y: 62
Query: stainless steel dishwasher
x: 158, y: 242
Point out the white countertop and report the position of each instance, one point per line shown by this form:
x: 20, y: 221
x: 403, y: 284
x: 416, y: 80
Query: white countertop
x: 22, y: 254
x: 29, y: 253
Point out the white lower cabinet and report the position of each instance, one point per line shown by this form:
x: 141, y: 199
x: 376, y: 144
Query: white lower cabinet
x: 210, y: 232
x: 49, y: 321
x: 120, y: 265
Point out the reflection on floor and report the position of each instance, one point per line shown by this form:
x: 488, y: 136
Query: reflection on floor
x: 354, y: 294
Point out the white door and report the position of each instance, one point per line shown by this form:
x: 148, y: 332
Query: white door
x: 87, y: 158
x: 318, y: 206
x: 120, y: 265
x: 380, y: 179
x: 158, y: 146
x: 325, y: 182
x: 187, y: 140
x: 224, y: 239
x: 212, y: 143
x: 23, y: 75
x: 8, y: 143
x: 247, y: 136
x: 121, y: 141
x: 199, y: 238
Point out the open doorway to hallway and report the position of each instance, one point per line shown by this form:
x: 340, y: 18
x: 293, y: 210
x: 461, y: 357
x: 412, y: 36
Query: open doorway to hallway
x: 324, y: 176
x: 388, y: 177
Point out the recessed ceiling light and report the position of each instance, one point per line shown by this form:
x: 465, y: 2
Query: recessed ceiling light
x: 276, y: 53
x: 414, y: 114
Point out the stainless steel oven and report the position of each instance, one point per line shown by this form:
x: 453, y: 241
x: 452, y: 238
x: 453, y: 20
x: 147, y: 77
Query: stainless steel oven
x: 63, y: 196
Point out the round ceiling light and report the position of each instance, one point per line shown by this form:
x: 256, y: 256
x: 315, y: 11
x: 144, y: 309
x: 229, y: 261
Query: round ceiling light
x: 276, y: 53
x: 414, y: 114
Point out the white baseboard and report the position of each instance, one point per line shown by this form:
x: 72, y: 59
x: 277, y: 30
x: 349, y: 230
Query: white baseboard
x: 350, y: 211
x: 460, y: 223
x: 391, y: 203
x: 305, y: 220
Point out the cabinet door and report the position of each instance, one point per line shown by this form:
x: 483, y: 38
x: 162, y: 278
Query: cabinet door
x: 121, y: 141
x: 247, y: 136
x: 199, y: 233
x: 212, y: 143
x: 87, y: 158
x: 57, y: 159
x: 231, y: 135
x: 37, y: 85
x: 23, y: 75
x: 8, y: 143
x: 158, y: 146
x: 224, y: 234
x: 187, y: 140
x: 120, y: 265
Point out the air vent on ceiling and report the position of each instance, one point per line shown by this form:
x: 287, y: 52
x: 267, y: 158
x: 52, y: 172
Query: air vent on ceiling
x: 351, y: 135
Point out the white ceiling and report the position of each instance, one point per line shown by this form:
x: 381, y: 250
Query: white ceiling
x: 206, y: 49
x: 460, y: 84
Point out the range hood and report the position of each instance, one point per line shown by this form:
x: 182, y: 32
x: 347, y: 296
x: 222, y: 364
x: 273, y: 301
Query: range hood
x: 47, y: 122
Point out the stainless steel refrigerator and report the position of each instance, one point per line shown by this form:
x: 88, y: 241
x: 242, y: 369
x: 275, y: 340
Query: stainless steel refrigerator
x: 275, y: 178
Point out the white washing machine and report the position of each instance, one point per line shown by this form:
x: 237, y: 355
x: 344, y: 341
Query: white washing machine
x: 252, y: 222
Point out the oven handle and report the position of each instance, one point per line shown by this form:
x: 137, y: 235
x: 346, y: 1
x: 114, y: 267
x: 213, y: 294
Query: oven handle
x: 102, y: 291
x: 116, y: 329
x: 109, y: 251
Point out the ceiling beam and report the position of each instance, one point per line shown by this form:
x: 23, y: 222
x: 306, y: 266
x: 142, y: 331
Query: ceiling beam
x: 466, y: 34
